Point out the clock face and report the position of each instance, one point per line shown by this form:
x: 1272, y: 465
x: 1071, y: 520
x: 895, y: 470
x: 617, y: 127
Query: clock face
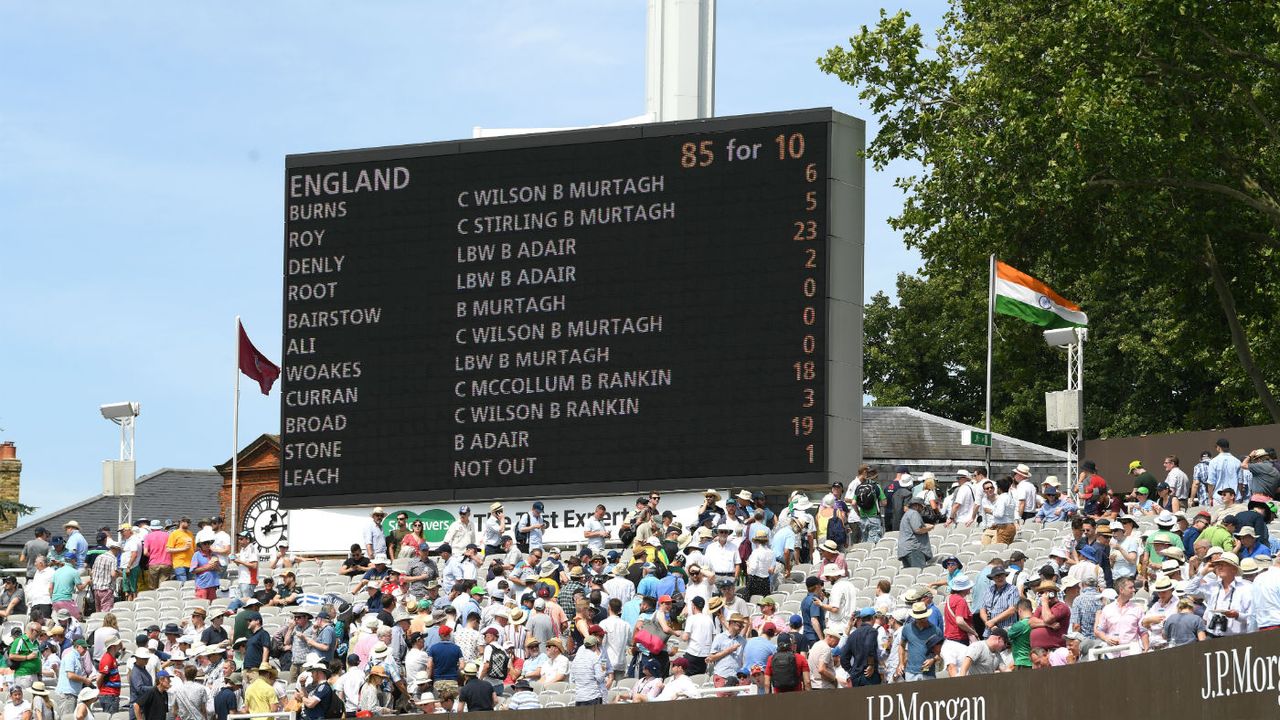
x: 268, y: 523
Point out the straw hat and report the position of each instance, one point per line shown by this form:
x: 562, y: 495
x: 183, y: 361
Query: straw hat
x: 920, y: 611
x: 711, y: 494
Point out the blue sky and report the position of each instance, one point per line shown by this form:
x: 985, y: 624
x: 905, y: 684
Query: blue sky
x: 141, y: 173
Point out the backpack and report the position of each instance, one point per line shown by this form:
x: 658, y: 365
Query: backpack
x: 335, y: 707
x: 865, y: 496
x: 786, y: 674
x: 498, y: 662
x: 836, y: 531
x: 522, y: 537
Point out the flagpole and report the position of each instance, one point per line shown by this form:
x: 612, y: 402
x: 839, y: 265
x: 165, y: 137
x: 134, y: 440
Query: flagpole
x: 235, y: 443
x: 991, y: 309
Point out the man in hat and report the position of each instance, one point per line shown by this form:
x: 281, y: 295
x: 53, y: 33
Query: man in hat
x: 914, y: 549
x: 918, y: 655
x: 260, y: 696
x: 373, y: 535
x: 999, y: 607
x: 1228, y: 598
x: 1052, y: 617
x: 1264, y: 478
x: 476, y: 694
x: 1247, y: 544
x: 76, y: 544
x: 522, y: 698
x: 726, y: 653
x: 1142, y: 478
x: 155, y: 548
x: 153, y: 704
x: 1120, y: 622
x: 494, y: 526
x: 205, y: 568
x: 1055, y: 508
x: 66, y: 583
x: 1024, y: 493
x: 316, y: 699
x: 965, y: 502
x: 860, y: 656
x: 75, y: 672
x: 1224, y: 469
x: 102, y: 577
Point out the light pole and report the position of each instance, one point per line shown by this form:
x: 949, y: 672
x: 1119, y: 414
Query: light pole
x: 1065, y: 410
x: 118, y: 475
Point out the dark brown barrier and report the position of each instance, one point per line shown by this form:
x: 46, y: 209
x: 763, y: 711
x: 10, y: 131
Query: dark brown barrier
x: 1113, y: 455
x: 1228, y: 679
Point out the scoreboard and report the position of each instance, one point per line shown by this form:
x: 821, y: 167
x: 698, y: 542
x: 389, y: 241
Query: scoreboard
x: 661, y: 306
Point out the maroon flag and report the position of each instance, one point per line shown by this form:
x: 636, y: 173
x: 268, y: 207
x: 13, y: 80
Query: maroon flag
x: 256, y: 365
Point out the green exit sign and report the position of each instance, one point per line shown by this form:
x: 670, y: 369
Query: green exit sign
x: 975, y: 437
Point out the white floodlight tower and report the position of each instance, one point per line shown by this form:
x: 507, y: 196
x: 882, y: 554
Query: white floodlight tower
x: 1066, y: 409
x: 118, y: 475
x: 680, y: 60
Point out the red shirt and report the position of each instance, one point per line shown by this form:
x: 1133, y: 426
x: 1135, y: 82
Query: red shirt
x: 110, y: 675
x: 1052, y: 638
x: 1095, y: 483
x: 957, y: 607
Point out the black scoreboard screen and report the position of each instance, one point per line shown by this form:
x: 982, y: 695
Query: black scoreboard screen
x: 672, y: 305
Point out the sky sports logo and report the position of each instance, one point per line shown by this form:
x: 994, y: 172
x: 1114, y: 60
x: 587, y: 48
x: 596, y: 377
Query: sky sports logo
x: 1239, y: 672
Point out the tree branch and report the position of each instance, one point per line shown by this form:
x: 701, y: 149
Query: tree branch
x: 1262, y: 205
x: 1238, y: 337
x: 1229, y: 51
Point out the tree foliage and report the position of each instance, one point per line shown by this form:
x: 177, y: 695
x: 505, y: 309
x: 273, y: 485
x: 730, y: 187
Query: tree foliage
x: 1127, y: 154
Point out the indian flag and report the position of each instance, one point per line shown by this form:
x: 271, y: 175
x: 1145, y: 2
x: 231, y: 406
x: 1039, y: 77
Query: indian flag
x: 1023, y: 296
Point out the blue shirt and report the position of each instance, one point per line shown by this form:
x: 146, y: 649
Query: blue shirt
x: 808, y: 611
x: 919, y: 641
x: 728, y: 665
x: 71, y: 663
x: 207, y: 579
x: 444, y: 660
x: 224, y: 703
x: 647, y: 586
x: 631, y: 610
x: 782, y: 541
x: 669, y: 585
x: 1224, y: 472
x: 77, y: 544
x: 1053, y: 512
x: 757, y: 652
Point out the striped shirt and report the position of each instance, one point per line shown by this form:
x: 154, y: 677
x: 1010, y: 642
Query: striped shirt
x: 586, y: 675
x: 104, y: 566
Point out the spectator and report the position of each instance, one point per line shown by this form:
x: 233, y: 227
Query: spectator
x: 914, y: 549
x: 919, y: 653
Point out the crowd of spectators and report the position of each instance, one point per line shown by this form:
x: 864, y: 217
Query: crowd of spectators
x: 899, y: 580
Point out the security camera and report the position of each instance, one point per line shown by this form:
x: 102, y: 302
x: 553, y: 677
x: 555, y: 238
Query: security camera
x: 119, y: 411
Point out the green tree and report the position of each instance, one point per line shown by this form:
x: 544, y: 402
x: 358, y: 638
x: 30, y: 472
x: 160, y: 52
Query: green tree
x: 1127, y: 154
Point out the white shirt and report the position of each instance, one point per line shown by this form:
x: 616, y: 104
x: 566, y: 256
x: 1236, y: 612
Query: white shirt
x: 761, y: 563
x: 351, y: 682
x: 14, y: 712
x: 703, y: 589
x: 964, y: 496
x: 677, y: 688
x: 459, y: 535
x: 492, y: 530
x: 40, y: 587
x: 1266, y: 598
x: 1025, y: 492
x: 621, y: 588
x: 132, y: 549
x: 1002, y: 513
x: 617, y: 638
x: 221, y: 540
x: 596, y: 543
x: 721, y: 558
x: 702, y: 630
x: 1238, y: 596
x: 845, y: 597
x: 1156, y: 631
